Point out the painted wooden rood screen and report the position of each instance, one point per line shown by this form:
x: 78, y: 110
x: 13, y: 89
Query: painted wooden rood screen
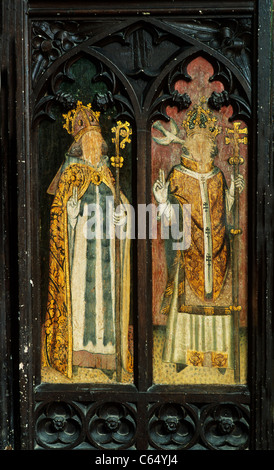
x: 138, y: 251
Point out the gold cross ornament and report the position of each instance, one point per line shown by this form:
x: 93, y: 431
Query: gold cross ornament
x: 122, y: 130
x: 236, y: 138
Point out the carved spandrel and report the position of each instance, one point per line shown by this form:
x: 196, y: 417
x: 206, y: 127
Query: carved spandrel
x: 232, y: 37
x: 140, y: 51
x: 50, y: 40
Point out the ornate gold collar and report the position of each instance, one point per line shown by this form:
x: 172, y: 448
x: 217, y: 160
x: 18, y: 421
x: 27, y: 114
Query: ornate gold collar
x: 196, y: 166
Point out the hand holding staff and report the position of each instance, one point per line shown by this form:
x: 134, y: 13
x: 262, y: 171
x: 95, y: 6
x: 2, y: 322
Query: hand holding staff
x: 122, y: 132
x: 237, y: 181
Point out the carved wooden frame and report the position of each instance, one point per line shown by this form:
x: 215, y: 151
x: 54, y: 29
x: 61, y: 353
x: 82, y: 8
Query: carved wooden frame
x: 141, y: 406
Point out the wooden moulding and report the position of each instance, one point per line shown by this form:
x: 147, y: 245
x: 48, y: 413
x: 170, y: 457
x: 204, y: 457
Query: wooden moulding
x: 141, y: 404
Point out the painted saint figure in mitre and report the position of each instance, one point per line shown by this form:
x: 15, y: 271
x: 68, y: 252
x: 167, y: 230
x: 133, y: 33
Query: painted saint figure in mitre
x: 79, y: 328
x: 199, y: 329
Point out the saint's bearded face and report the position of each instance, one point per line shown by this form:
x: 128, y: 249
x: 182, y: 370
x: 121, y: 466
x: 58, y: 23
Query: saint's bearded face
x: 200, y: 148
x: 93, y: 147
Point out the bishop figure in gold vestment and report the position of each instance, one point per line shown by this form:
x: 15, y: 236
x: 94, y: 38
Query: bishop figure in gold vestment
x: 199, y: 329
x: 80, y: 324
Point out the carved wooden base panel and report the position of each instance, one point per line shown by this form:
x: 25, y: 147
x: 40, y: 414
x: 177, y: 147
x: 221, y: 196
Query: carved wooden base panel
x: 69, y: 425
x: 114, y: 426
x: 117, y: 346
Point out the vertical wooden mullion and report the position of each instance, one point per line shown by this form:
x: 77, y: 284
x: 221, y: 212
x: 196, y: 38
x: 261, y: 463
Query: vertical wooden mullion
x: 26, y: 256
x: 144, y: 356
x: 261, y: 370
x: 8, y: 240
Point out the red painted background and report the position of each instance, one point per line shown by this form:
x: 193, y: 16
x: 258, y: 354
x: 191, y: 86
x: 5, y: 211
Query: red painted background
x: 165, y: 157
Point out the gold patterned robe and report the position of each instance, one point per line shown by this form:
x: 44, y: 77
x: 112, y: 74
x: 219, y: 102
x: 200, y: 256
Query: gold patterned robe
x: 57, y: 334
x: 203, y: 266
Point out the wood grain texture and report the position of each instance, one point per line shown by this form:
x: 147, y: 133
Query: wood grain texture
x: 141, y: 406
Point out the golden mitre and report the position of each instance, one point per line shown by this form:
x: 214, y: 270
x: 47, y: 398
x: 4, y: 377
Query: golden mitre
x: 81, y: 120
x: 202, y: 121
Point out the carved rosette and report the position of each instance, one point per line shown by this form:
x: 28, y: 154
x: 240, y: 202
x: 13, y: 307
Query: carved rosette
x: 225, y: 427
x: 59, y: 425
x: 111, y: 426
x: 172, y: 427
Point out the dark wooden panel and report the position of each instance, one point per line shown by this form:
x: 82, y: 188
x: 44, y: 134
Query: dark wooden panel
x: 148, y: 411
x: 201, y: 7
x: 261, y: 282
